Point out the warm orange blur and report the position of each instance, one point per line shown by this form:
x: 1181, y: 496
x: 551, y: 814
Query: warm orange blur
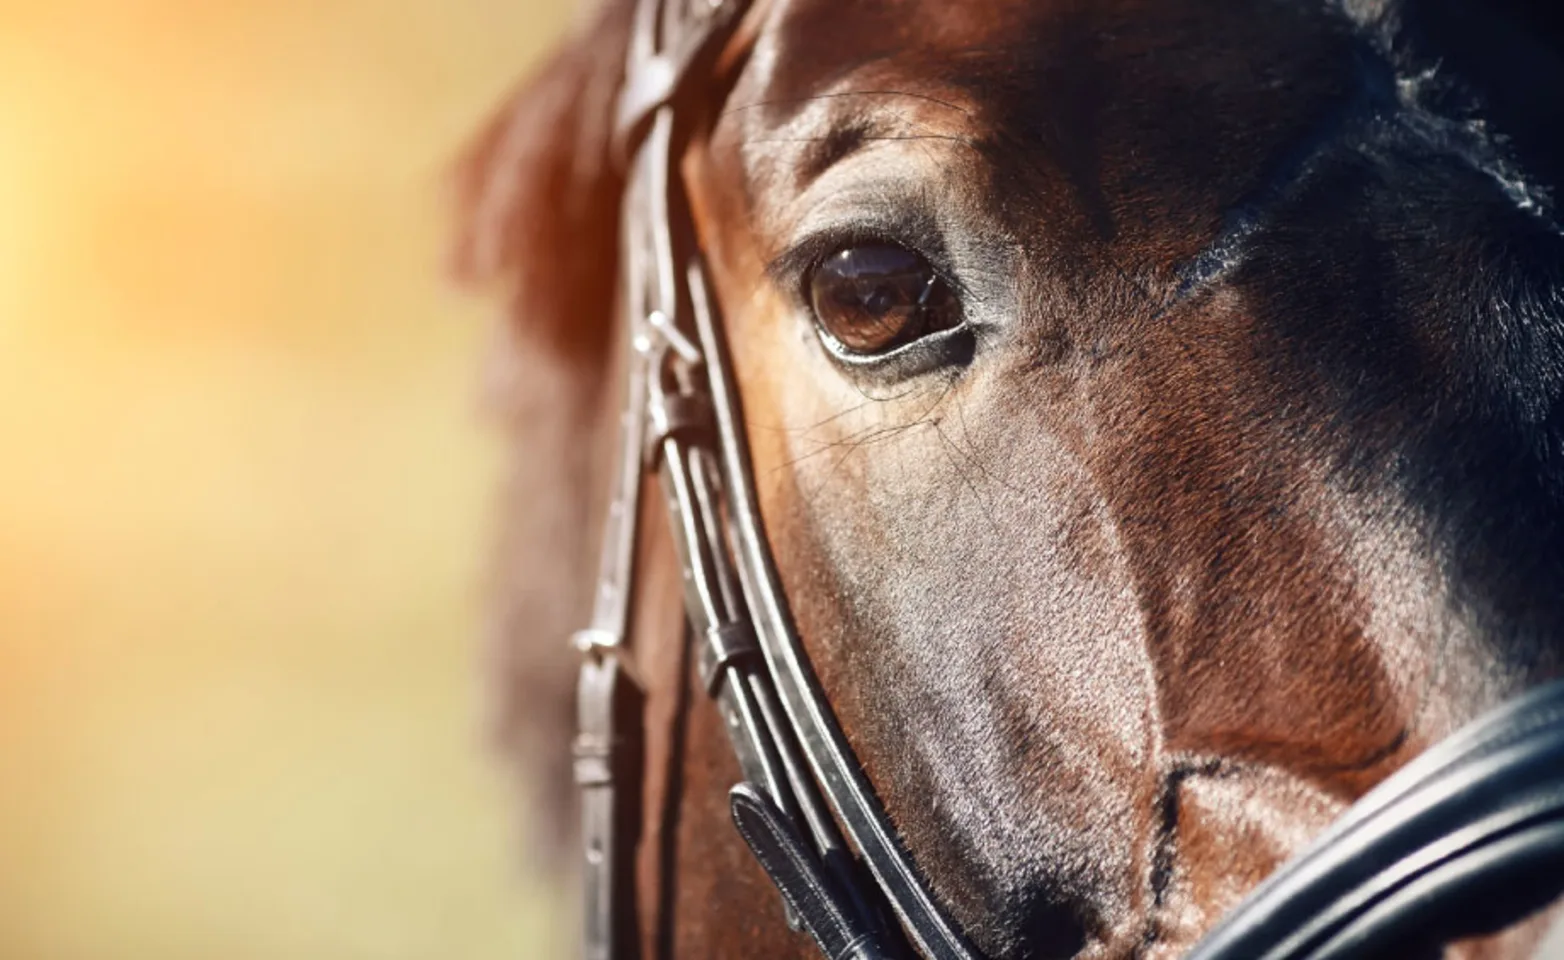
x: 243, y: 499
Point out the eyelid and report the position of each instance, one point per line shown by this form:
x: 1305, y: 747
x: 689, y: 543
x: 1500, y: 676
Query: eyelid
x: 947, y: 349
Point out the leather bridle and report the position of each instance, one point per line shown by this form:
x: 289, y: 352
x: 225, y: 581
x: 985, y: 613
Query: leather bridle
x: 1482, y: 809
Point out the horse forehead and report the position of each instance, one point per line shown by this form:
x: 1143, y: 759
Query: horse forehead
x: 1129, y: 109
x: 813, y: 46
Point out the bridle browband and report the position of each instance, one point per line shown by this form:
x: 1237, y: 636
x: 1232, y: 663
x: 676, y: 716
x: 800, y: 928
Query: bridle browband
x: 1485, y: 807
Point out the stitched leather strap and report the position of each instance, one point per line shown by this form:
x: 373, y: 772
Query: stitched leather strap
x: 1469, y: 836
x: 810, y: 891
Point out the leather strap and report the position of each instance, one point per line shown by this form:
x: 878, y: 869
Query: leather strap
x: 831, y: 759
x: 810, y: 891
x: 601, y: 749
x: 601, y: 763
x: 1471, y: 830
x: 729, y: 658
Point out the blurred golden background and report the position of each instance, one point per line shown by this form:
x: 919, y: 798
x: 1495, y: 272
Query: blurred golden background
x: 244, y: 495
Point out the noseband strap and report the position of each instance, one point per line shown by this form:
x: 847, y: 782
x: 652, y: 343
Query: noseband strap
x: 1467, y: 837
x: 1489, y: 803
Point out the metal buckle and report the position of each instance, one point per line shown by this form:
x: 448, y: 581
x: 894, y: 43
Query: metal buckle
x: 595, y: 642
x: 664, y: 327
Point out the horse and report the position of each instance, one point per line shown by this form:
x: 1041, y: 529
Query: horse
x: 1155, y: 418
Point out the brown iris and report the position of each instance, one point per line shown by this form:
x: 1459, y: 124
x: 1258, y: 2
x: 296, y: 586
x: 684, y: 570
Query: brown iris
x: 873, y: 297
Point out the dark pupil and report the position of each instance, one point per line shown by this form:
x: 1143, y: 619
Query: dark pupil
x: 871, y: 298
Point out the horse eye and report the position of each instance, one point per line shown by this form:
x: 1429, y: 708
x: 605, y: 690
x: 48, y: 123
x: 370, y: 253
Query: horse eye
x: 874, y: 297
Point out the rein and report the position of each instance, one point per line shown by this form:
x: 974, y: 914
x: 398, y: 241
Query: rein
x: 1484, y: 807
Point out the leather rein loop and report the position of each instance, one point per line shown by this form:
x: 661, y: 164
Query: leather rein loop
x: 1488, y: 803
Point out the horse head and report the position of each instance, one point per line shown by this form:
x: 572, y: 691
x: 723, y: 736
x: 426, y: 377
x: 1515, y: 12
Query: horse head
x: 1156, y: 410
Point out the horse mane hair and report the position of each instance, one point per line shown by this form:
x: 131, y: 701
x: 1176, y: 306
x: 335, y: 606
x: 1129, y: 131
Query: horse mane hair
x: 537, y: 195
